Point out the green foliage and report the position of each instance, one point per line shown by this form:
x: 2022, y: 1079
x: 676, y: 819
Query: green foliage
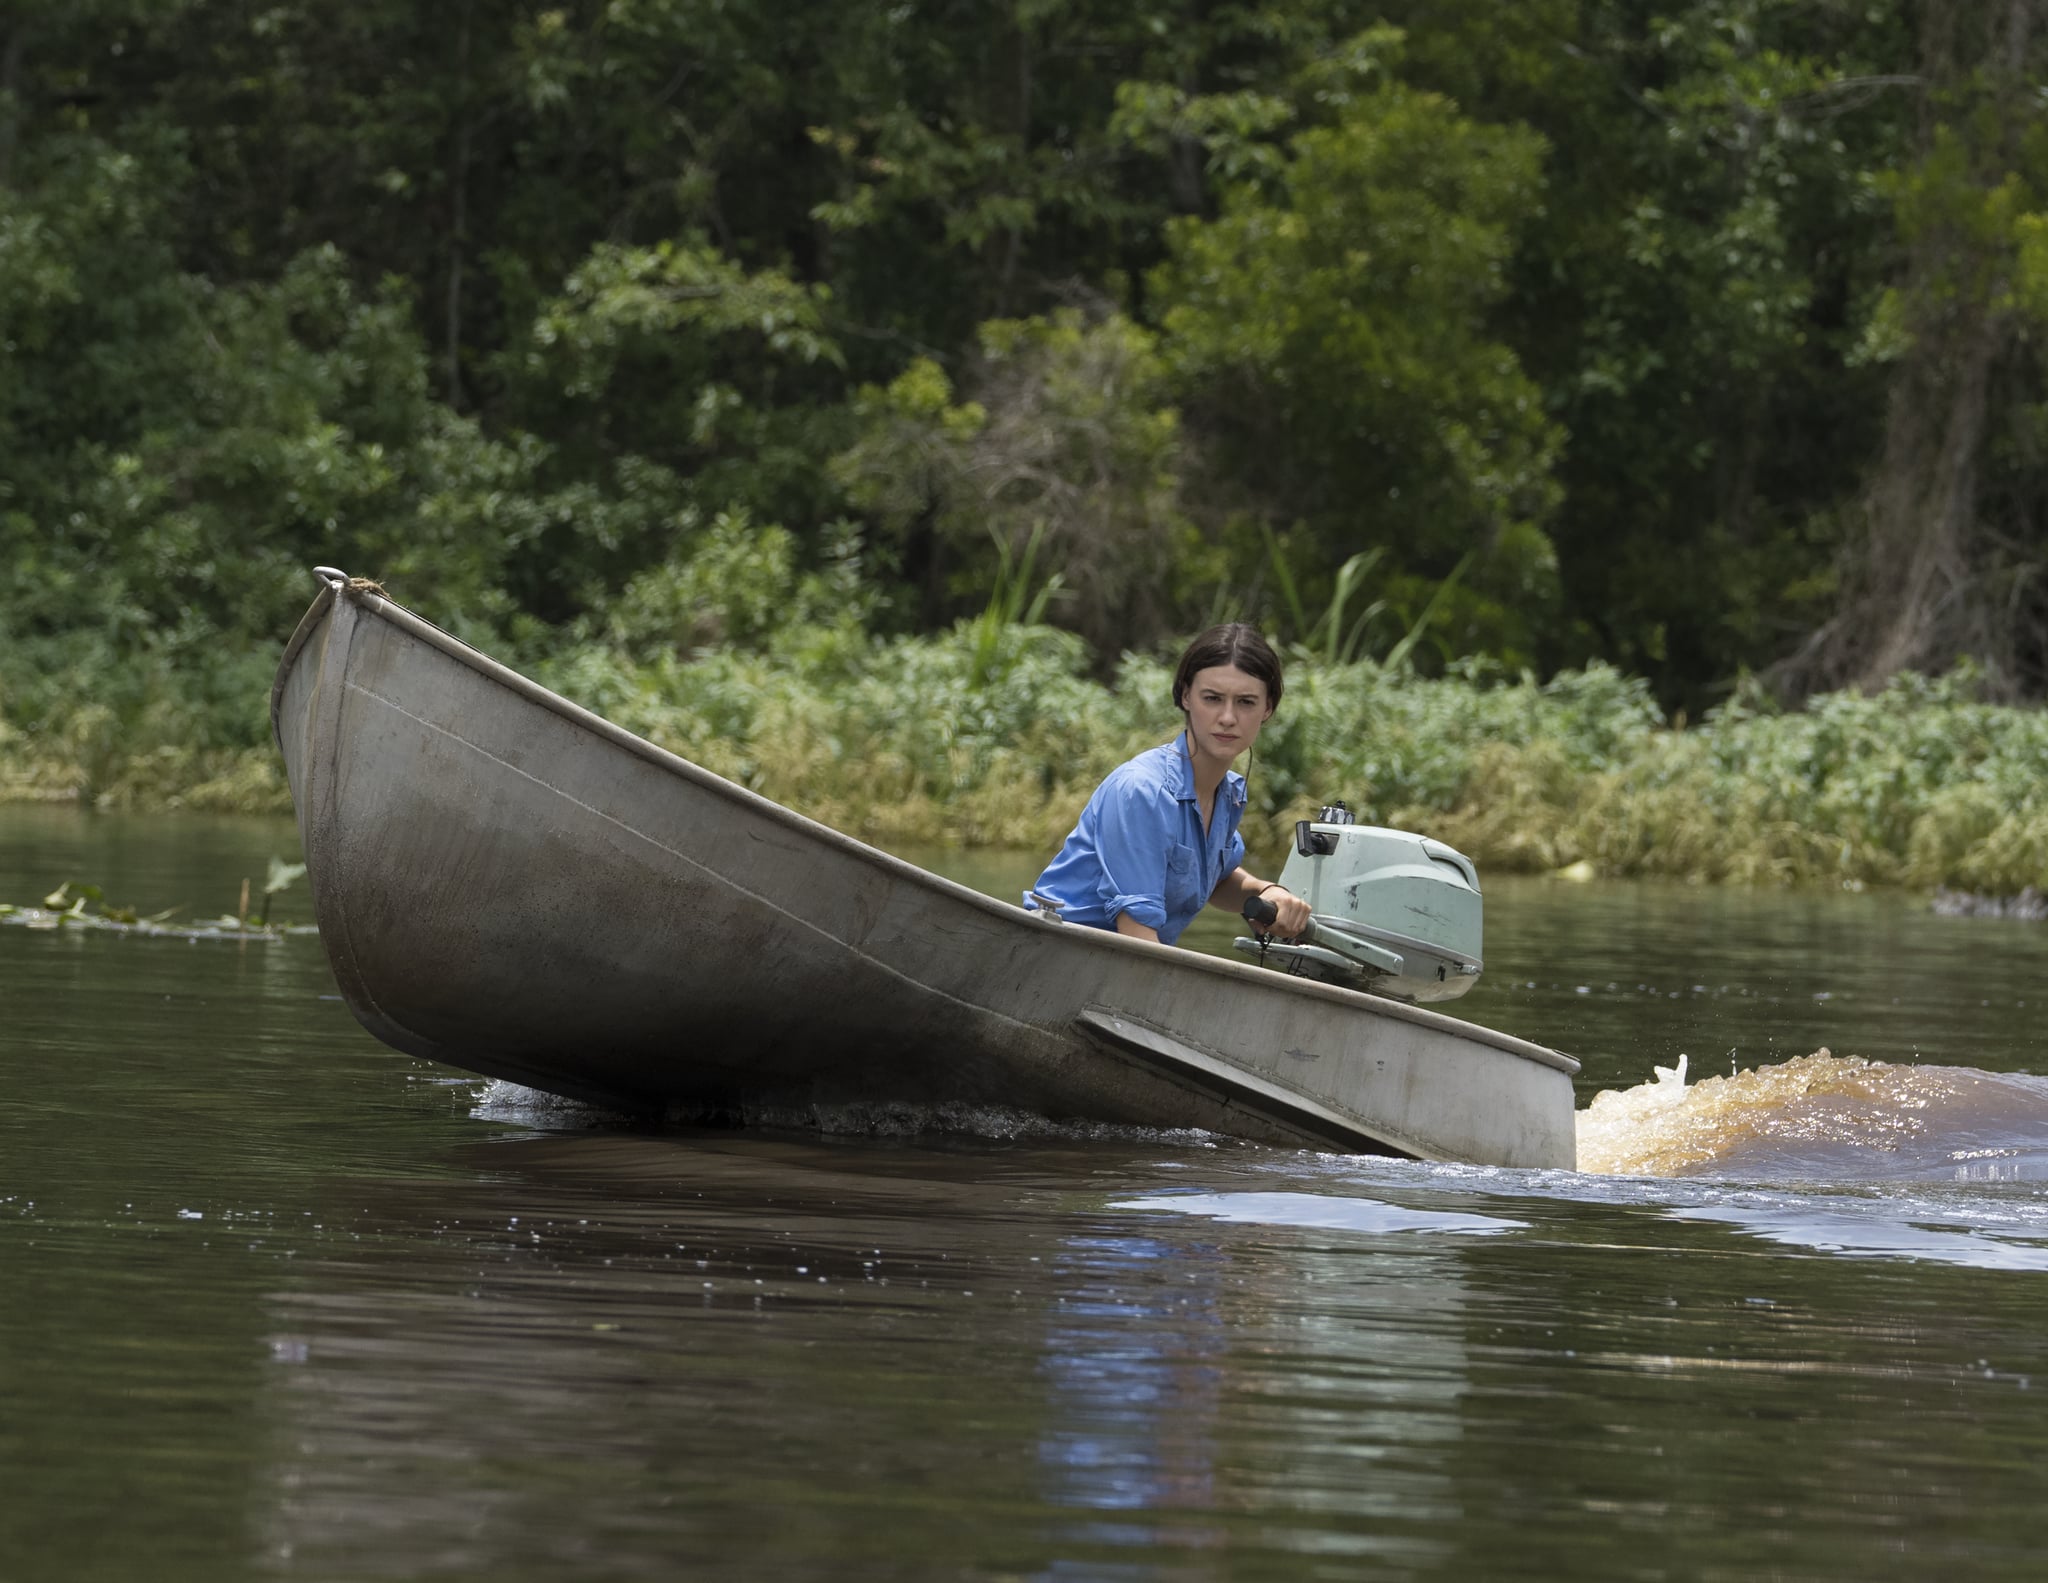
x: 1328, y: 636
x: 921, y: 740
x: 689, y: 344
x: 1234, y: 130
x: 1011, y: 604
x: 1688, y: 298
x: 735, y: 585
x: 1333, y: 333
x: 137, y: 577
x: 672, y: 305
x: 670, y: 380
x: 1069, y: 445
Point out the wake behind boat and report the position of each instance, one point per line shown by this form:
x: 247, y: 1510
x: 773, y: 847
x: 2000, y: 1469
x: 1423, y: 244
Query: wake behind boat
x: 512, y: 885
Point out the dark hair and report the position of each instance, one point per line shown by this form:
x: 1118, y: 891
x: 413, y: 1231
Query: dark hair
x: 1233, y: 643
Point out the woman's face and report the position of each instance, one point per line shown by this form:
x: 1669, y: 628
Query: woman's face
x: 1225, y: 709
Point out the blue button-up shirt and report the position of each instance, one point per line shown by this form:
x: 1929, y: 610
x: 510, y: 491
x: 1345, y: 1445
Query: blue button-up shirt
x: 1140, y: 847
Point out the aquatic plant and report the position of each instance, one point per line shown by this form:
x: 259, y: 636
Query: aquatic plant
x: 76, y: 906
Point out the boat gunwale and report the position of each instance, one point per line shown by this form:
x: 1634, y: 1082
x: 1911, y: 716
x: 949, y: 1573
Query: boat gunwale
x: 525, y: 687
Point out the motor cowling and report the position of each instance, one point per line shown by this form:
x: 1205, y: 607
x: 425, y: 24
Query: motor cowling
x: 1395, y: 913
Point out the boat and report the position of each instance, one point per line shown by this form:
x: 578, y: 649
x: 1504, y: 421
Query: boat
x: 509, y: 884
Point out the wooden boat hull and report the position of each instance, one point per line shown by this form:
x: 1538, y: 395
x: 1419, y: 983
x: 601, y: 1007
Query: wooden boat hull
x: 512, y: 885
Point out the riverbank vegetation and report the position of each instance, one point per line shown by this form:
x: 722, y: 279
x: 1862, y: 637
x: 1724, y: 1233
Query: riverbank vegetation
x: 860, y: 399
x: 956, y: 739
x: 993, y: 733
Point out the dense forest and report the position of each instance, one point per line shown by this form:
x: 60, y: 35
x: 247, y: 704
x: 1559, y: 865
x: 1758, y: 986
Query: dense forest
x: 1555, y: 339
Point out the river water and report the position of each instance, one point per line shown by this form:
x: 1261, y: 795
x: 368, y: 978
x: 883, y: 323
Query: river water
x: 276, y: 1302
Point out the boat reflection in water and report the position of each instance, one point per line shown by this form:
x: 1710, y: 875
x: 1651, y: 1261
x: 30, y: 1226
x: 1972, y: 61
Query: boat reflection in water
x: 776, y: 1357
x: 1326, y: 1383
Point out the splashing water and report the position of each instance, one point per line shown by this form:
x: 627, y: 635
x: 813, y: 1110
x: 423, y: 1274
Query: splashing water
x: 1822, y: 1117
x: 503, y: 1101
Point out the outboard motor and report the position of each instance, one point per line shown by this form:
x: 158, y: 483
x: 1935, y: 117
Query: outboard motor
x: 1394, y: 913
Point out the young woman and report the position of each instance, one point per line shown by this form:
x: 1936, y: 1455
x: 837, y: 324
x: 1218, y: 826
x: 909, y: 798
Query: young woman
x: 1159, y: 837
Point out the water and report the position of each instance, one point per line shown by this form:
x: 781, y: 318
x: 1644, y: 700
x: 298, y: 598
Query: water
x: 279, y: 1303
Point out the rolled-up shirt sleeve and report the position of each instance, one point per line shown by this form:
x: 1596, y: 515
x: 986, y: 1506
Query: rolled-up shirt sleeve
x: 1130, y: 840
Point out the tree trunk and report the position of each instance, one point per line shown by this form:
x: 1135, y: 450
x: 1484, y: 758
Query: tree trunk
x: 458, y: 219
x: 10, y: 97
x: 1916, y: 590
x: 1011, y: 109
x: 1923, y: 608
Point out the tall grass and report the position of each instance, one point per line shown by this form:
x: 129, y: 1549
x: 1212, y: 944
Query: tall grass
x: 993, y: 734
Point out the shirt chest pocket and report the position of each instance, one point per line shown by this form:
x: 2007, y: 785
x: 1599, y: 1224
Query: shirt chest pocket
x: 1183, y: 879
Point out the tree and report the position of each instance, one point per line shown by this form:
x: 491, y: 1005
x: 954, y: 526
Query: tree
x: 1940, y: 566
x: 1331, y: 330
x: 1690, y: 299
x: 1065, y: 459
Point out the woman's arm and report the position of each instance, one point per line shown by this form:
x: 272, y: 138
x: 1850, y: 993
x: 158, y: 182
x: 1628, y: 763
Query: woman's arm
x: 1132, y: 821
x: 1240, y: 885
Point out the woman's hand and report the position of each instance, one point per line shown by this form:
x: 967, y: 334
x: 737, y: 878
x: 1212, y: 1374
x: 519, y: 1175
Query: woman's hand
x: 1294, y: 912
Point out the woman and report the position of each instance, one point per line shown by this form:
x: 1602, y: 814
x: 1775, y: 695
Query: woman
x: 1159, y: 837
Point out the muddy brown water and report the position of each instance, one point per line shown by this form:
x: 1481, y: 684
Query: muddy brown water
x: 278, y: 1302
